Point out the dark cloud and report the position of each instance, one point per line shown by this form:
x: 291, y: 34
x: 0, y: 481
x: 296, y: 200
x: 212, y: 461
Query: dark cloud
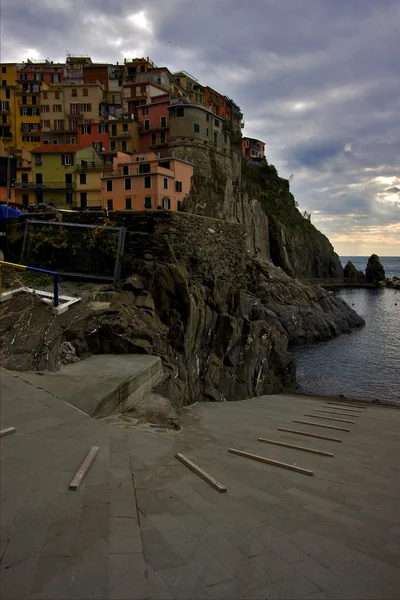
x: 317, y: 81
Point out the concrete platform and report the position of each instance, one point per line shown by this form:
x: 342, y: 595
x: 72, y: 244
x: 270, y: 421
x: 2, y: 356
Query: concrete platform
x: 102, y: 384
x: 143, y: 526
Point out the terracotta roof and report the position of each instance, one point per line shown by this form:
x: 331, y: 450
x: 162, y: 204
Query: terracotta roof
x: 62, y: 148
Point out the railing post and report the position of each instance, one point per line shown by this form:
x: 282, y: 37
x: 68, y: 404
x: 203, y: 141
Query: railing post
x: 55, y: 278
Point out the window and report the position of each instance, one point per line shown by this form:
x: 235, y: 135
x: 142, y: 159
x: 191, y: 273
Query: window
x: 57, y: 95
x: 178, y: 186
x: 39, y: 178
x: 67, y: 159
x: 215, y: 137
x: 45, y: 108
x: 146, y: 125
x: 180, y: 112
x: 59, y: 125
x: 34, y: 100
x: 46, y: 124
x: 128, y: 184
x: 166, y: 203
x: 86, y: 107
x: 145, y: 110
x: 8, y: 94
x: 25, y: 199
x: 74, y: 92
x: 125, y: 127
x: 225, y: 138
x: 24, y: 178
x: 38, y: 77
x: 125, y: 170
x: 113, y: 146
x: 4, y: 119
x: 196, y: 128
x: 55, y: 142
x: 4, y: 82
x: 144, y: 168
x: 35, y: 89
x: 162, y: 137
x: 207, y: 132
x: 109, y: 185
x: 208, y: 117
x: 4, y: 69
x: 86, y: 129
x: 57, y: 107
x: 154, y: 139
x: 142, y: 68
x: 83, y: 200
x: 147, y: 202
x: 103, y: 128
x: 163, y: 121
x: 128, y: 203
x: 38, y: 159
x: 216, y: 122
x: 35, y: 112
x: 165, y: 183
x: 72, y: 140
x: 82, y: 178
x: 147, y: 182
x: 85, y: 92
x: 24, y: 112
x: 55, y: 78
x: 110, y: 204
x: 179, y: 205
x: 4, y: 105
x: 123, y: 146
x: 73, y: 124
x: 113, y: 130
x: 68, y: 197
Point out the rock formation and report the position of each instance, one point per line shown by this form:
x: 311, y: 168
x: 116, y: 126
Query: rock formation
x: 351, y: 274
x: 374, y: 272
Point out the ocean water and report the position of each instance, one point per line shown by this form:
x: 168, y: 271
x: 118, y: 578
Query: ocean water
x: 364, y: 364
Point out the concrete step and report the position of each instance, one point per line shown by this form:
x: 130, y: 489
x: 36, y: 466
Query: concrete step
x: 102, y: 384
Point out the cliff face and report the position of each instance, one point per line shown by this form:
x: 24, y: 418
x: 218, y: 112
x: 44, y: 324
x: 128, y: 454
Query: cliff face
x: 221, y: 320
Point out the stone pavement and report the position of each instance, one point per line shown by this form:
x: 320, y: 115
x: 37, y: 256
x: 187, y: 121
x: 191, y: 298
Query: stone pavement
x: 143, y: 526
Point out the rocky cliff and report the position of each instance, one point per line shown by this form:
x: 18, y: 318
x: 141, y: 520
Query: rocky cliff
x: 221, y: 320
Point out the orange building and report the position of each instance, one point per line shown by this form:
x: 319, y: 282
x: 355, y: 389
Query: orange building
x: 216, y: 102
x: 252, y: 148
x: 146, y: 181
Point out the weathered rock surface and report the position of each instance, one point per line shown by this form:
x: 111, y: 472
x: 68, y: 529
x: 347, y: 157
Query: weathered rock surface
x: 374, y: 272
x: 352, y: 275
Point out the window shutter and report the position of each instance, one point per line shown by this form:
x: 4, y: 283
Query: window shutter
x: 72, y: 159
x: 62, y: 159
x: 169, y: 203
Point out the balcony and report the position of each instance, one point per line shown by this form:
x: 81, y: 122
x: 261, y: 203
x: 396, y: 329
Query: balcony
x: 72, y: 115
x: 45, y: 187
x: 92, y: 165
x: 153, y: 128
x: 120, y: 135
x: 27, y: 131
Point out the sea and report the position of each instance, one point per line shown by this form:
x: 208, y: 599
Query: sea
x: 364, y: 364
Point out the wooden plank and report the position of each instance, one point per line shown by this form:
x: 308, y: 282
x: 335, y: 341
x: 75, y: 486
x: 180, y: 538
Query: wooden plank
x: 213, y: 482
x: 302, y: 448
x: 320, y: 425
x: 348, y: 405
x: 309, y: 434
x: 83, y: 469
x: 344, y: 409
x: 338, y: 412
x: 7, y: 431
x: 328, y: 418
x: 269, y: 461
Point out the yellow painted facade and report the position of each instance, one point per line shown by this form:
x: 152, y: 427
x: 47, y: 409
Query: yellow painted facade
x: 124, y: 135
x: 89, y: 170
x: 24, y: 191
x: 8, y: 134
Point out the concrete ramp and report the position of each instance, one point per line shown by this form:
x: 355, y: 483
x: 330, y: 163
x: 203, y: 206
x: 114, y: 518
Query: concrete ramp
x: 102, y: 384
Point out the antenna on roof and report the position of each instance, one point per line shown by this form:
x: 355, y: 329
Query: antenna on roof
x: 291, y: 178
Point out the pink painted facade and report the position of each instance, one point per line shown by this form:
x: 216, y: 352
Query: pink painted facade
x: 46, y: 72
x: 253, y: 148
x: 154, y: 121
x: 146, y: 181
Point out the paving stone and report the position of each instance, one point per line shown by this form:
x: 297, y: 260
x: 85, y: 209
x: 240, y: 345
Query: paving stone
x: 122, y: 503
x: 240, y: 567
x: 203, y: 563
x: 157, y: 588
x: 121, y: 479
x: 60, y: 539
x: 91, y: 573
x: 125, y: 536
x: 184, y: 584
x: 158, y: 553
x: 53, y: 579
x: 128, y: 577
x: 16, y: 578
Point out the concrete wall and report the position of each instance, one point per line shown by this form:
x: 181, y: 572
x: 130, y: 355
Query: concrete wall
x: 209, y: 124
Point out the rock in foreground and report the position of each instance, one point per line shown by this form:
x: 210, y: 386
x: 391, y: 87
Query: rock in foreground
x: 374, y: 272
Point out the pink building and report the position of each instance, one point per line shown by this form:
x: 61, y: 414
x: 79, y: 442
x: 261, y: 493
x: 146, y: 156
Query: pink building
x: 146, y: 181
x: 46, y: 72
x: 154, y: 125
x: 252, y: 148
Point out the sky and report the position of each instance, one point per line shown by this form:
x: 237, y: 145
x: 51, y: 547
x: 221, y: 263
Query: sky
x: 317, y: 80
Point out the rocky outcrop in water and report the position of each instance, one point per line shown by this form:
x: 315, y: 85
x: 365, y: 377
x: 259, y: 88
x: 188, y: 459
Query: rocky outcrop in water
x: 351, y: 274
x: 374, y: 272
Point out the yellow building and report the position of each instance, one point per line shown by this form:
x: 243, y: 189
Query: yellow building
x: 9, y: 76
x: 28, y: 114
x: 66, y: 106
x: 195, y: 91
x: 89, y: 170
x: 124, y: 135
x: 67, y: 175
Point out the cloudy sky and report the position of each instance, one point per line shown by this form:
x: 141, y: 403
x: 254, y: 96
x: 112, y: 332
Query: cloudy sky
x: 317, y: 80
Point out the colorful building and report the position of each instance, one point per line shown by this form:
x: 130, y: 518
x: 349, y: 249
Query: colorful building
x: 192, y: 124
x: 154, y: 125
x: 253, y: 148
x: 216, y: 102
x: 8, y: 105
x: 124, y: 135
x: 54, y: 174
x: 24, y: 190
x: 146, y: 181
x: 89, y: 170
x: 196, y: 92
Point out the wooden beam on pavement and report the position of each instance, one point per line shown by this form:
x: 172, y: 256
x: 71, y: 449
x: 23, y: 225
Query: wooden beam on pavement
x: 7, y: 431
x: 213, y: 482
x: 269, y: 461
x: 302, y: 448
x: 83, y: 469
x: 309, y: 434
x: 337, y: 412
x: 320, y: 425
x: 328, y: 418
x: 348, y: 405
